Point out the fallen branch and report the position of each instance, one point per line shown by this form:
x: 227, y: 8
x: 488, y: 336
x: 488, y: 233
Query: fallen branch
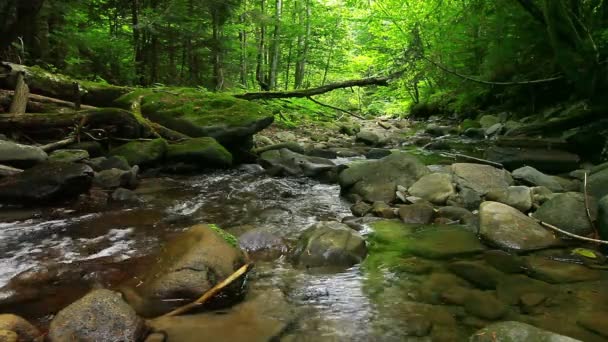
x: 212, y: 292
x: 335, y: 108
x: 39, y: 103
x: 479, y: 160
x: 58, y: 144
x: 578, y: 237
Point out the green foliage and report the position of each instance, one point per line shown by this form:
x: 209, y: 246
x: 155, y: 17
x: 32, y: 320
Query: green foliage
x: 231, y: 239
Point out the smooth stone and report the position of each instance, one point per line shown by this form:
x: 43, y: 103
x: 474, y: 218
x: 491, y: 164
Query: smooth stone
x: 597, y: 183
x: 511, y: 331
x: 21, y: 327
x: 69, y: 156
x: 383, y: 210
x: 287, y: 162
x: 466, y: 198
x: 518, y: 197
x: 377, y: 153
x: 360, y: 209
x: 115, y: 178
x: 494, y: 129
x: 508, y: 228
x: 482, y: 276
x: 262, y: 245
x: 529, y: 301
x: 533, y: 177
x: 124, y: 195
x: 488, y: 121
x: 417, y: 213
x: 369, y: 138
x: 568, y: 212
x: 556, y: 272
x: 485, y: 305
x: 505, y: 262
x: 481, y: 178
x: 18, y: 155
x: 458, y: 214
x: 541, y: 194
x: 435, y: 188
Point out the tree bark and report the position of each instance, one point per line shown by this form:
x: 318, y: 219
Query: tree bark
x: 259, y: 71
x: 276, y: 46
x: 22, y: 91
x: 304, y: 44
x: 39, y: 103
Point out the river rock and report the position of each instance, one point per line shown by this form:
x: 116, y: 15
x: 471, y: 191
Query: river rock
x: 377, y: 180
x: 484, y: 305
x: 383, y: 210
x: 23, y: 329
x: 377, y: 153
x: 142, y: 153
x: 203, y: 152
x: 417, y: 213
x: 533, y: 177
x: 547, y: 160
x: 483, y: 276
x: 101, y: 315
x: 507, y: 227
x: 370, y: 138
x: 115, y: 178
x: 505, y: 262
x: 290, y: 145
x: 597, y: 183
x: 46, y: 182
x: 360, y: 209
x: 518, y: 197
x: 21, y: 156
x: 285, y: 136
x: 435, y: 188
x: 480, y: 178
x: 488, y: 121
x: 494, y: 130
x: 556, y: 272
x: 187, y: 266
x: 287, y: 162
x: 437, y: 131
x: 69, y: 156
x: 458, y: 214
x: 602, y: 219
x: 124, y: 195
x: 567, y: 211
x: 262, y: 245
x: 329, y: 244
x: 596, y: 322
x: 465, y: 198
x: 512, y: 331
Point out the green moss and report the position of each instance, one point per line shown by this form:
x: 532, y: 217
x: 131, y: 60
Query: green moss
x: 200, y: 151
x: 142, y: 153
x: 231, y: 239
x: 468, y: 123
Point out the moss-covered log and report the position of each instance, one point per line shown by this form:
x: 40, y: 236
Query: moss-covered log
x: 59, y: 86
x: 115, y: 122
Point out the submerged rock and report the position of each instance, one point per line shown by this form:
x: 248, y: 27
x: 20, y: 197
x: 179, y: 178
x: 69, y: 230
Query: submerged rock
x: 287, y: 162
x: 46, y: 182
x: 533, y: 177
x: 548, y: 160
x: 484, y: 305
x: 18, y: 155
x: 187, y: 267
x: 101, y: 315
x: 22, y: 330
x: 330, y: 244
x: 115, y: 178
x: 201, y: 152
x: 262, y: 245
x: 435, y: 188
x: 142, y: 153
x: 568, y: 212
x: 557, y: 272
x: 506, y: 227
x: 480, y: 178
x: 377, y: 180
x: 515, y: 332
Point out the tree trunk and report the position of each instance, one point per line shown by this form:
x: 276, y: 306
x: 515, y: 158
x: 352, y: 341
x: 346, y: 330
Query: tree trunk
x: 276, y: 46
x: 259, y: 71
x: 22, y: 91
x: 243, y: 53
x: 304, y: 44
x: 137, y: 42
x: 216, y: 50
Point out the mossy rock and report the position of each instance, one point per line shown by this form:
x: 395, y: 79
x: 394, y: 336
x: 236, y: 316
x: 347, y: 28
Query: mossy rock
x: 202, y: 152
x: 198, y: 113
x: 143, y: 153
x: 468, y: 123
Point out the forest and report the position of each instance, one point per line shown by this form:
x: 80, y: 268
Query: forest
x: 303, y: 170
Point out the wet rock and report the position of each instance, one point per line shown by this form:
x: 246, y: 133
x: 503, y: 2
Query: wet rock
x: 488, y: 121
x: 292, y: 146
x: 345, y: 152
x: 437, y: 131
x: 46, y: 182
x: 370, y: 138
x: 21, y: 156
x: 480, y: 178
x: 529, y: 301
x: 287, y: 162
x: 512, y: 287
x: 22, y: 329
x: 518, y: 197
x: 474, y: 133
x: 360, y: 209
x: 508, y: 228
x: 482, y: 276
x: 505, y: 262
x: 349, y: 128
x: 116, y: 178
x: 485, y: 305
x: 124, y: 195
x: 556, y: 272
x: 203, y: 152
x: 417, y: 213
x: 285, y: 136
x: 533, y: 177
x: 101, y: 315
x: 377, y: 153
x: 465, y: 198
x: 322, y: 153
x: 443, y: 287
x: 262, y: 245
x: 262, y: 140
x: 94, y: 148
x: 541, y: 194
x: 546, y: 160
x: 142, y: 153
x: 360, y: 223
x: 8, y: 336
x: 187, y: 267
x: 568, y: 212
x: 516, y: 331
x: 69, y: 156
x: 94, y: 200
x: 457, y: 214
x: 596, y: 322
x: 495, y: 129
x: 455, y: 295
x: 329, y: 244
x: 435, y: 188
x: 377, y: 180
x: 597, y: 183
x: 262, y: 317
x: 602, y: 220
x: 112, y: 162
x: 383, y: 210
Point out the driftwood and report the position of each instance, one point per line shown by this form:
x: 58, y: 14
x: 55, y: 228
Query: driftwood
x: 20, y: 97
x: 212, y: 292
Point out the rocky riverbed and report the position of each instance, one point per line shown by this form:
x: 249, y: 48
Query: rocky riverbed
x: 383, y: 230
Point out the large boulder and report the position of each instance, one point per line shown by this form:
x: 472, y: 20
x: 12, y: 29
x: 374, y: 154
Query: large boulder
x: 568, y: 212
x: 370, y: 138
x: 116, y: 178
x: 287, y: 162
x: 435, y: 188
x: 531, y: 176
x: 185, y: 268
x: 377, y: 180
x: 603, y: 218
x: 488, y: 121
x: 512, y: 331
x: 508, y: 228
x: 597, y: 183
x: 548, y: 160
x: 198, y: 114
x: 142, y: 153
x: 20, y: 155
x: 518, y: 197
x: 46, y: 182
x: 202, y: 152
x: 101, y: 315
x: 329, y: 244
x: 480, y: 178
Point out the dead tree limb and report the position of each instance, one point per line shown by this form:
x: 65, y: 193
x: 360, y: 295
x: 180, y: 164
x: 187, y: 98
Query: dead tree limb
x: 335, y: 108
x: 302, y: 93
x: 39, y: 103
x: 20, y: 97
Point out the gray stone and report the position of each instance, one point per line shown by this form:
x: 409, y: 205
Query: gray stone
x: 488, y: 121
x: 329, y: 244
x: 518, y: 197
x: 556, y: 272
x: 285, y: 136
x: 435, y: 188
x: 69, y: 156
x: 511, y: 331
x: 417, y: 213
x: 568, y: 212
x: 124, y: 195
x: 494, y: 129
x: 480, y: 178
x: 101, y: 315
x: 18, y: 155
x: 287, y: 162
x: 597, y: 183
x: 369, y: 138
x: 533, y: 177
x: 115, y: 178
x: 360, y: 209
x: 377, y: 180
x: 262, y: 245
x: 508, y: 228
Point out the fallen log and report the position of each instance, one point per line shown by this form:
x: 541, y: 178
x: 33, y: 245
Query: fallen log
x: 39, y: 103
